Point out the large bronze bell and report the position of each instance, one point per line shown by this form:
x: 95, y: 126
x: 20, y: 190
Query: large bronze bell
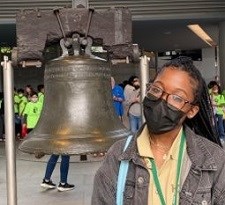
x: 78, y: 116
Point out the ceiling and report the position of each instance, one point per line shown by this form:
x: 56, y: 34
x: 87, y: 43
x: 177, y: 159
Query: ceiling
x: 172, y: 34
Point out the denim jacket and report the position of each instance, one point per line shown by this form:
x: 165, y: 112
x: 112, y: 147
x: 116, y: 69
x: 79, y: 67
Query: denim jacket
x: 203, y: 174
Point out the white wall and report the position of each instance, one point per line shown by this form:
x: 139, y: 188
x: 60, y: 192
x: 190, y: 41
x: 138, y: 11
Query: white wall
x: 206, y: 66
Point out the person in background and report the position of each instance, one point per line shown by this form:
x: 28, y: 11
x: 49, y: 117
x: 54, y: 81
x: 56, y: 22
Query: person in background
x: 32, y: 112
x: 64, y: 165
x: 28, y: 91
x: 127, y: 89
x: 132, y: 103
x: 118, y: 98
x: 64, y: 169
x: 218, y: 102
x: 176, y: 157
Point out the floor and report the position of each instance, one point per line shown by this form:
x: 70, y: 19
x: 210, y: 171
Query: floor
x: 30, y: 173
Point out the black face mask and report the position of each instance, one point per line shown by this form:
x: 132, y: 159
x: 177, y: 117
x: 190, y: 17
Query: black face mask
x: 160, y: 117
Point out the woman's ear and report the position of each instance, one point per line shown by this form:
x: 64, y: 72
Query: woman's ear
x: 193, y: 111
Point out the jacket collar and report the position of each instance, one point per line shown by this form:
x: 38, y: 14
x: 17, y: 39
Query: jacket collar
x: 198, y: 151
x: 199, y: 154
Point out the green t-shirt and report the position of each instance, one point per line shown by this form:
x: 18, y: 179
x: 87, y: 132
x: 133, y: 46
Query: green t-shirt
x: 33, y: 112
x: 220, y: 103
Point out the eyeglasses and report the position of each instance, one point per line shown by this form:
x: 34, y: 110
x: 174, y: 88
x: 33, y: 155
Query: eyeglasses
x: 174, y: 100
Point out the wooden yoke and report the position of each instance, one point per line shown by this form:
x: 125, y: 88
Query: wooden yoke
x: 36, y: 29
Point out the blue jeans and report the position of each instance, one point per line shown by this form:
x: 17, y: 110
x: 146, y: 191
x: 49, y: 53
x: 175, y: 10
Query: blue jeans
x: 220, y: 127
x: 135, y: 123
x: 64, y: 167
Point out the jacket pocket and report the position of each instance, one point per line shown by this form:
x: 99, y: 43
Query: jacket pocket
x: 202, y: 197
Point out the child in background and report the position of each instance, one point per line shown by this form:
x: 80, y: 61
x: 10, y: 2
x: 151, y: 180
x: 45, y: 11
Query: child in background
x: 32, y: 112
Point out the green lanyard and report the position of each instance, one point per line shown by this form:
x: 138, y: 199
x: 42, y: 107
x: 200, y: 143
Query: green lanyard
x: 155, y: 174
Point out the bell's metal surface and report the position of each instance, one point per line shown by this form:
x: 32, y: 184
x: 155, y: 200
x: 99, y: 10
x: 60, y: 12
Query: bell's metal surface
x: 78, y: 116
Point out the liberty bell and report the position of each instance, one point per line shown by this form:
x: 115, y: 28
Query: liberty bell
x: 78, y: 116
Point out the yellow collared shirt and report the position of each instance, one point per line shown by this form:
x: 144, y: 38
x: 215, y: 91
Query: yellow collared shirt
x: 167, y: 172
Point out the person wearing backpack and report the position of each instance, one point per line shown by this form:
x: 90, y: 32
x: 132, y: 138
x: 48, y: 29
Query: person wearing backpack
x: 176, y: 157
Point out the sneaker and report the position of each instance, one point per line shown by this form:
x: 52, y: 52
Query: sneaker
x: 48, y: 184
x: 65, y: 187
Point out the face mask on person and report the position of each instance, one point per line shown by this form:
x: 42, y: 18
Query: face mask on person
x: 160, y: 117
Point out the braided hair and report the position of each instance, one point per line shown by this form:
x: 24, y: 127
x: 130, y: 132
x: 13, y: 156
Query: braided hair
x: 203, y: 123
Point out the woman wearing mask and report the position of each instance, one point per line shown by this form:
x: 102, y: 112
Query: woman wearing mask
x: 176, y: 157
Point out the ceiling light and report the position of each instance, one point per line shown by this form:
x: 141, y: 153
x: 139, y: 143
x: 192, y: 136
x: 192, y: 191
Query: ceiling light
x: 202, y: 34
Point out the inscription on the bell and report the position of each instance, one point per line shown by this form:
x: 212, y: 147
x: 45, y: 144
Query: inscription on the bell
x: 85, y: 71
x: 75, y: 67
